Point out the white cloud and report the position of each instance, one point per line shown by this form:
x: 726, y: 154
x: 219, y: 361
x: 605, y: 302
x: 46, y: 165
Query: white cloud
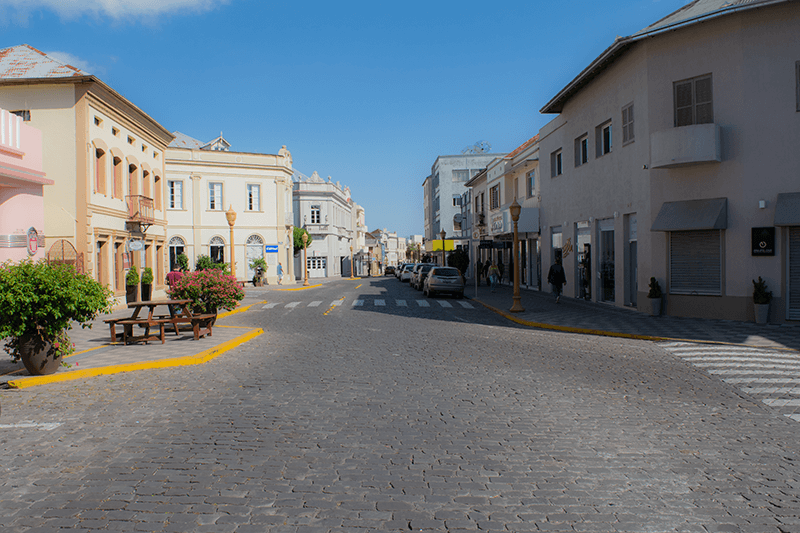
x: 116, y: 9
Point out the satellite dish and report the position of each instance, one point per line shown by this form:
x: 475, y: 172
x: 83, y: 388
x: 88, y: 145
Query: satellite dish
x: 480, y: 147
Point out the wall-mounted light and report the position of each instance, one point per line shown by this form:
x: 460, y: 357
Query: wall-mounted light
x: 644, y: 167
x: 762, y: 204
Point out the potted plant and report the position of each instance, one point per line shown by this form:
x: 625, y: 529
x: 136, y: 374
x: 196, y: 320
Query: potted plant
x: 147, y: 284
x: 38, y: 303
x: 761, y: 299
x: 260, y: 268
x: 209, y: 290
x: 131, y: 284
x: 654, y: 297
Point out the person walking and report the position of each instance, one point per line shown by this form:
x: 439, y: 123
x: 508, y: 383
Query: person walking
x: 478, y: 270
x: 173, y: 277
x: 486, y: 266
x: 501, y: 267
x: 557, y: 278
x: 493, y: 276
x: 280, y: 274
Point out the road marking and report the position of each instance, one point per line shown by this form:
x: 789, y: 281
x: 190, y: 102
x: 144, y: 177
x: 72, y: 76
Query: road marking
x: 401, y: 303
x: 793, y: 391
x: 47, y: 426
x: 380, y: 303
x: 466, y: 305
x: 315, y: 304
x: 423, y: 303
x: 337, y: 302
x: 270, y: 306
x: 774, y: 381
x: 292, y: 305
x: 358, y: 303
x: 444, y: 303
x: 780, y: 402
x: 359, y: 285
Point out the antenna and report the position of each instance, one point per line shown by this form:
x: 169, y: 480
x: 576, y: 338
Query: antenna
x: 480, y: 147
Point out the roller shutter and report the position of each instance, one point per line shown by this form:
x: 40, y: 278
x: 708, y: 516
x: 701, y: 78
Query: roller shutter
x: 696, y: 262
x: 794, y: 274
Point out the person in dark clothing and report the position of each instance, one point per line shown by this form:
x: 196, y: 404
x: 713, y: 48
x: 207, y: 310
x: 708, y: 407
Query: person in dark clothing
x: 479, y: 270
x: 557, y: 278
x: 486, y: 266
x: 501, y: 267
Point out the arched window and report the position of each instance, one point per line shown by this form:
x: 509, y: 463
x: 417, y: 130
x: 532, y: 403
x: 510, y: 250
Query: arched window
x: 254, y: 250
x: 177, y: 246
x: 216, y: 249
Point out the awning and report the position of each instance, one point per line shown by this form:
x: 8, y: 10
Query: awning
x: 787, y: 209
x: 692, y: 215
x: 528, y: 220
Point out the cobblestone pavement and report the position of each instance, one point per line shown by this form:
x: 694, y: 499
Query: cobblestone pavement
x: 389, y: 418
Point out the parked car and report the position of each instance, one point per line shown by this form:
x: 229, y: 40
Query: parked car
x: 388, y: 271
x: 405, y: 275
x: 413, y: 280
x: 421, y: 274
x: 398, y: 270
x: 444, y: 279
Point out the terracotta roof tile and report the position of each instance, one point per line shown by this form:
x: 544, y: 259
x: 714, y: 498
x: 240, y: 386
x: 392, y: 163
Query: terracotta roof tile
x: 26, y: 62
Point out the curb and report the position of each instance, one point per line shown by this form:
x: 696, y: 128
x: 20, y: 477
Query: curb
x: 302, y: 288
x: 239, y: 310
x: 198, y: 359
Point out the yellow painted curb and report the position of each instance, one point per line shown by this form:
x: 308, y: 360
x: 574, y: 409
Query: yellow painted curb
x: 202, y: 357
x: 302, y: 288
x: 238, y: 310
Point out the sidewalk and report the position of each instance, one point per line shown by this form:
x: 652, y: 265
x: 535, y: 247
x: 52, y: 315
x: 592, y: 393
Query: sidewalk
x: 580, y: 316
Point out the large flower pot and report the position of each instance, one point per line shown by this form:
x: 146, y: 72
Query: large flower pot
x: 131, y: 292
x: 38, y: 356
x: 762, y: 313
x: 655, y: 306
x: 147, y: 291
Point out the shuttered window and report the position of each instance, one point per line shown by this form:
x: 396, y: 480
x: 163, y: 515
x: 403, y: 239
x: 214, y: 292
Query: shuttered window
x: 627, y: 124
x: 696, y: 262
x: 794, y: 274
x: 693, y: 101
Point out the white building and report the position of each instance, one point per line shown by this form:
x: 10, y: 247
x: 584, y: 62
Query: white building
x: 205, y: 180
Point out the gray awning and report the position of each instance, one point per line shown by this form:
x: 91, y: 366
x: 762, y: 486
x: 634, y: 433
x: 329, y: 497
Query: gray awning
x: 528, y: 220
x: 787, y: 209
x: 692, y: 215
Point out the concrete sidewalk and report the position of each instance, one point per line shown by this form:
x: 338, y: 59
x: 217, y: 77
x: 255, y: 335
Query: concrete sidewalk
x: 581, y: 316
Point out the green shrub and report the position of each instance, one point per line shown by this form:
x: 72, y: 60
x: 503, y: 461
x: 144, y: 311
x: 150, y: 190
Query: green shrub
x: 655, y: 289
x: 132, y: 278
x: 761, y: 295
x: 147, y: 276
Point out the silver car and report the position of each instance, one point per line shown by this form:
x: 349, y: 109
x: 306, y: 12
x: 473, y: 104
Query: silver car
x: 444, y: 280
x: 405, y: 274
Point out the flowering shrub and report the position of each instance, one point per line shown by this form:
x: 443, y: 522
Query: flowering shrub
x: 209, y: 290
x: 43, y: 299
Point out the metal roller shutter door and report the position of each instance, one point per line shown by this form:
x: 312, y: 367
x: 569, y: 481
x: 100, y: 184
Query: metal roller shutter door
x: 696, y: 262
x: 794, y: 274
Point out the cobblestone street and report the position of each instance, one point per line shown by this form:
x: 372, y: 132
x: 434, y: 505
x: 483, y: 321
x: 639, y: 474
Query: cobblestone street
x: 372, y: 418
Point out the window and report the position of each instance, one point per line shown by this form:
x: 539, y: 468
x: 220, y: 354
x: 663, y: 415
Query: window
x: 531, y: 183
x: 254, y: 197
x: 100, y: 171
x: 176, y: 247
x: 494, y: 197
x: 215, y: 196
x: 602, y: 135
x: 133, y: 179
x: 216, y: 249
x: 695, y: 262
x: 555, y: 163
x: 627, y: 124
x: 24, y: 114
x: 117, y: 192
x: 693, y: 101
x: 131, y: 140
x: 582, y: 150
x: 158, y: 193
x: 114, y: 132
x: 316, y: 214
x: 460, y: 175
x: 146, y: 189
x: 97, y: 121
x: 456, y: 200
x: 175, y: 194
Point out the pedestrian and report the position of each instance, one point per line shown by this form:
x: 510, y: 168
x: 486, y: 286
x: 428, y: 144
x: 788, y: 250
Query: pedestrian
x: 479, y: 270
x: 557, y: 278
x: 501, y: 267
x: 486, y: 266
x: 173, y: 277
x: 280, y: 274
x: 493, y: 276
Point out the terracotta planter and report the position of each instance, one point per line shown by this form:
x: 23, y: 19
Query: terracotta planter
x: 38, y: 355
x: 655, y: 306
x: 147, y: 292
x: 762, y: 313
x: 131, y: 292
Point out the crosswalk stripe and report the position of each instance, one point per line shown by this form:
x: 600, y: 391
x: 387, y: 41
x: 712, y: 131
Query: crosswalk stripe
x: 781, y: 402
x: 794, y: 391
x: 315, y: 304
x: 783, y: 381
x: 465, y: 305
x: 358, y: 303
x: 337, y: 302
x: 423, y: 303
x: 401, y: 303
x: 380, y: 303
x: 292, y: 305
x: 444, y: 303
x: 270, y: 306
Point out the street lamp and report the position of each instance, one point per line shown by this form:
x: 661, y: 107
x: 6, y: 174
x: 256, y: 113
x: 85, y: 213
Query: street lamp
x: 351, y: 261
x: 515, y: 210
x: 305, y: 258
x: 231, y: 216
x: 441, y: 234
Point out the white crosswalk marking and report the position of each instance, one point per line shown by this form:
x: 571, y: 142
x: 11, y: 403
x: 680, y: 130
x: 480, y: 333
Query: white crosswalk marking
x: 380, y: 303
x: 444, y: 303
x: 270, y: 306
x: 465, y: 305
x: 315, y: 304
x: 423, y: 303
x: 772, y: 376
x: 358, y: 303
x: 337, y: 302
x: 292, y: 305
x: 401, y: 303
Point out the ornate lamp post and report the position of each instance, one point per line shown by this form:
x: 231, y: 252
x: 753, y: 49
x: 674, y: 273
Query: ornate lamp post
x: 351, y: 261
x: 231, y: 216
x: 515, y: 210
x: 305, y: 259
x: 442, y: 234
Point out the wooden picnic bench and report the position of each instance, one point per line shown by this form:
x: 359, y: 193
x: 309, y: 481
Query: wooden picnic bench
x: 179, y: 313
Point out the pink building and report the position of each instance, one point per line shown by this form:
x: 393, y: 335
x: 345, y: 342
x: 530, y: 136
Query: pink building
x: 22, y: 181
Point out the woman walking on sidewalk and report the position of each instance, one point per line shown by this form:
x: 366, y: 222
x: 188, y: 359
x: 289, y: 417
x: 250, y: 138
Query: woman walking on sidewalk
x: 493, y: 275
x: 557, y: 278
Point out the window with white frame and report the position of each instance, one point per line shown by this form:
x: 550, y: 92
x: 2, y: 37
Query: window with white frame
x: 216, y: 249
x: 627, y: 124
x: 494, y: 197
x: 215, y: 196
x: 530, y: 180
x: 253, y: 197
x: 175, y: 194
x: 602, y: 135
x: 555, y: 164
x: 582, y: 150
x: 693, y: 101
x: 316, y: 214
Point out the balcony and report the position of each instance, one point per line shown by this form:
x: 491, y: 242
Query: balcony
x: 140, y: 210
x: 685, y: 146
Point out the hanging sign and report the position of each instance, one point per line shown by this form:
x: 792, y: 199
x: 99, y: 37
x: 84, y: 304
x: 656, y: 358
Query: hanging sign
x: 134, y: 245
x: 271, y: 249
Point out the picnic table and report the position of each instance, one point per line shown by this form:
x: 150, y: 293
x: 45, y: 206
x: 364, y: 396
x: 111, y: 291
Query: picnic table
x: 178, y: 313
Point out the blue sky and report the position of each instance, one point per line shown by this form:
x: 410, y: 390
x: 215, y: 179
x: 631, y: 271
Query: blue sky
x: 369, y: 93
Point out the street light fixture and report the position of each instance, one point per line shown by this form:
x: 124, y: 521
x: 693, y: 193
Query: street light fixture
x: 305, y: 258
x: 351, y: 261
x: 515, y: 210
x: 231, y: 216
x: 442, y: 234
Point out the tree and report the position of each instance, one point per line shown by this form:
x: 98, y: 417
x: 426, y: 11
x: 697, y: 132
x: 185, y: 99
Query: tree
x: 459, y: 259
x: 298, y: 239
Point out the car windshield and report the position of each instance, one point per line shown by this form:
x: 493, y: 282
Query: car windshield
x: 426, y: 268
x: 446, y: 272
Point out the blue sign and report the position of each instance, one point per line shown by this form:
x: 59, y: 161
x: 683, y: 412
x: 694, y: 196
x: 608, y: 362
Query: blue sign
x: 271, y: 249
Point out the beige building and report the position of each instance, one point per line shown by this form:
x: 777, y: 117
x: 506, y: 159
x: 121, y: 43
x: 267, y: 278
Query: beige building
x: 673, y: 156
x: 105, y: 210
x: 205, y: 180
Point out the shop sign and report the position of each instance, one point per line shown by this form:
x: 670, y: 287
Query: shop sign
x: 497, y: 223
x: 33, y: 241
x: 271, y: 249
x: 134, y: 245
x: 485, y: 244
x: 763, y: 241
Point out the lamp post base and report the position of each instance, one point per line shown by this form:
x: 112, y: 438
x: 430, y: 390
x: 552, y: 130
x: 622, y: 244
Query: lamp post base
x: 516, y: 307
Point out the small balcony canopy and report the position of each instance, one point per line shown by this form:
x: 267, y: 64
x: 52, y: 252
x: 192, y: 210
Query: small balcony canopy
x: 690, y: 215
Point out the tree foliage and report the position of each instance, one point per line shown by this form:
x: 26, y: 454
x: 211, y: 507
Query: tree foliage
x: 460, y: 259
x: 298, y: 239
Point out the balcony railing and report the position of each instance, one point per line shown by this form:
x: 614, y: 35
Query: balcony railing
x: 140, y: 209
